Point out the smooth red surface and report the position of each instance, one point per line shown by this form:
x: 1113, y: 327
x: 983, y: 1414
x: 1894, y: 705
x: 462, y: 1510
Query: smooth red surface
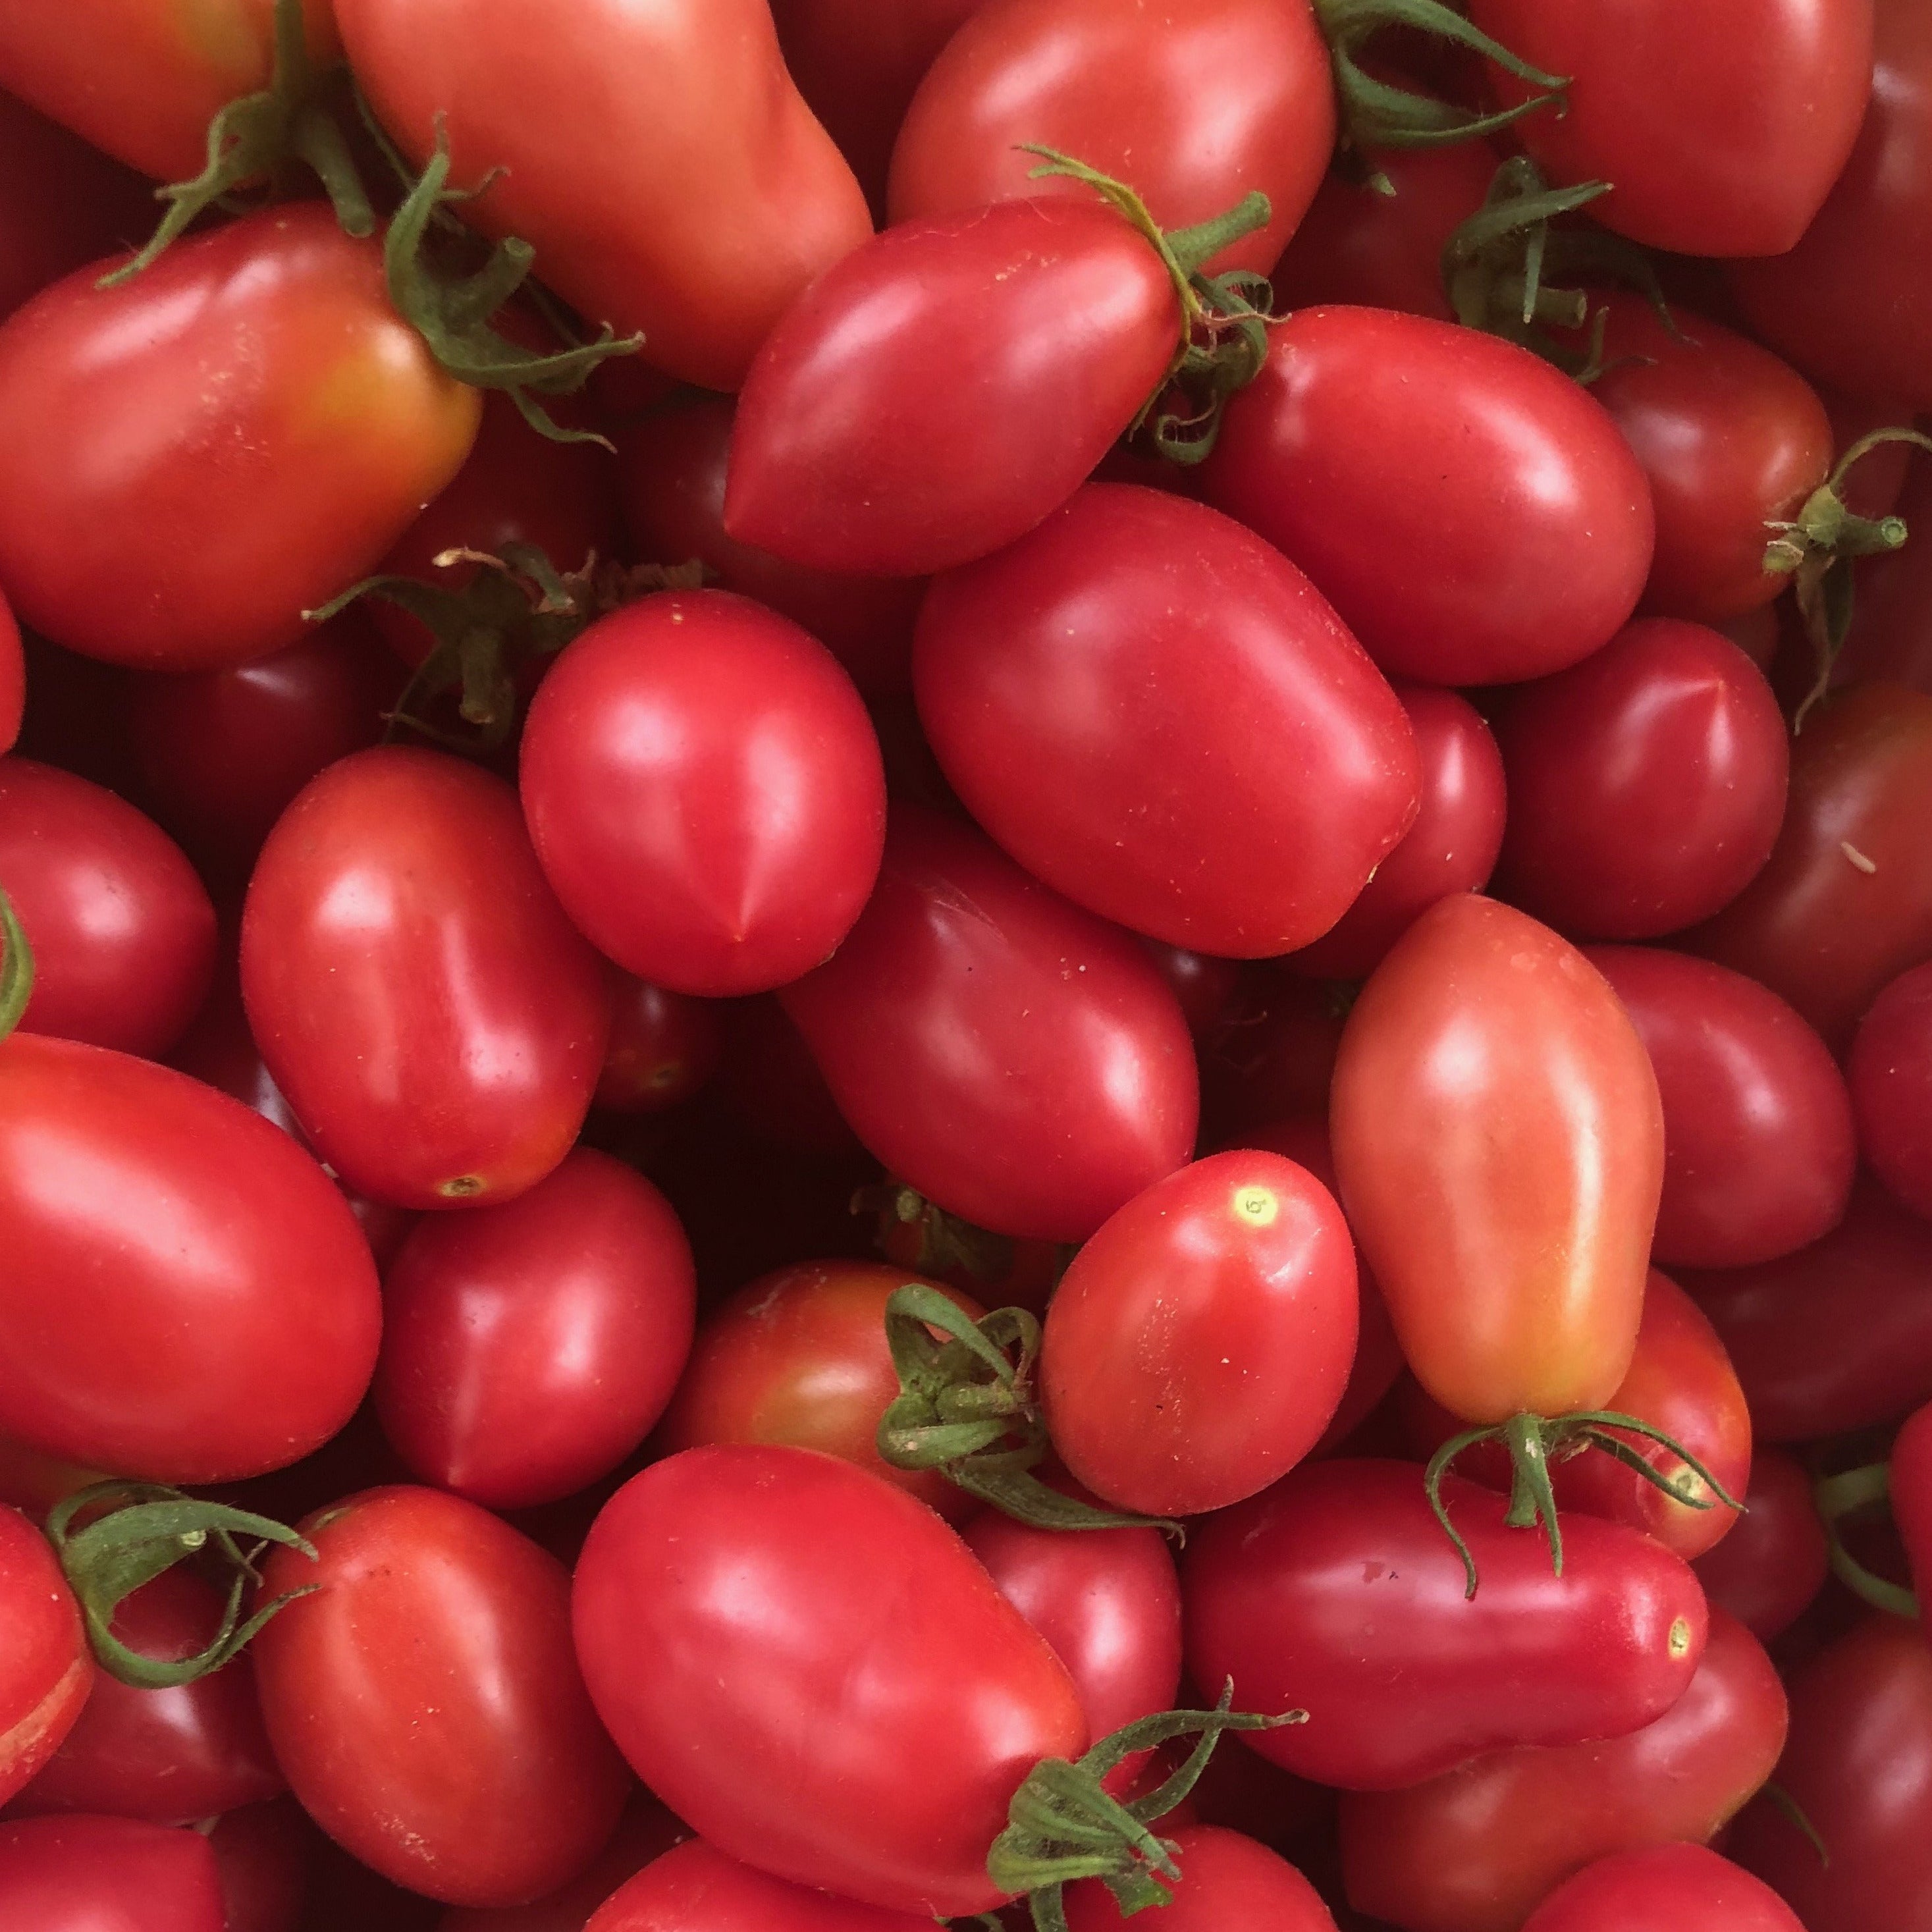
x: 90, y: 1874
x: 1773, y: 1559
x: 263, y: 1852
x: 1664, y: 1889
x: 45, y: 1674
x: 663, y: 1047
x: 12, y: 677
x: 696, y: 1888
x: 1225, y: 1880
x: 1890, y: 1070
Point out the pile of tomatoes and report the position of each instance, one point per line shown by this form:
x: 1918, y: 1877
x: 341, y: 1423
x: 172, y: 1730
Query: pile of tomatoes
x: 965, y: 961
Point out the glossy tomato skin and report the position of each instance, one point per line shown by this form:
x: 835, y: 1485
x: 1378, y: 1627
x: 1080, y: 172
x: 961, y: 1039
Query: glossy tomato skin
x: 1890, y: 1069
x: 93, y: 1874
x: 664, y: 1047
x: 1774, y: 1559
x: 1195, y: 105
x: 1014, y: 1059
x: 1226, y: 1880
x: 435, y: 1022
x: 933, y: 337
x: 1198, y: 1343
x: 215, y: 1307
x: 45, y: 1672
x: 889, y: 1786
x: 1758, y: 1150
x: 1669, y: 1888
x: 1078, y: 681
x: 122, y: 929
x: 705, y: 792
x: 1337, y: 1591
x: 1499, y: 1142
x: 695, y: 1888
x: 1497, y: 526
x: 1476, y: 1849
x: 425, y: 1705
x: 120, y: 538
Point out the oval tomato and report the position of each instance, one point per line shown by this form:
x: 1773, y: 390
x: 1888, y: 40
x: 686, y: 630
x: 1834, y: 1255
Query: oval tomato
x: 262, y: 1851
x: 1890, y: 1070
x: 1226, y: 1880
x: 84, y: 1874
x: 696, y: 1888
x: 664, y: 1047
x: 1774, y: 1558
x: 45, y: 1672
x: 1665, y: 1888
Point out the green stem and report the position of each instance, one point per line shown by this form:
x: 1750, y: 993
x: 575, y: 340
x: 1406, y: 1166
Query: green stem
x: 1837, y: 1497
x: 16, y: 968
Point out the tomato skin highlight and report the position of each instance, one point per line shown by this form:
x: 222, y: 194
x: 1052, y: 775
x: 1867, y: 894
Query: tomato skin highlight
x: 92, y: 1874
x: 1890, y: 1069
x: 45, y: 1672
x: 695, y: 1888
x: 1774, y: 1560
x: 1668, y: 1888
x: 1226, y: 1880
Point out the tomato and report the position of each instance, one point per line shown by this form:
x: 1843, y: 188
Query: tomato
x: 1198, y: 1344
x: 1499, y: 1142
x: 800, y: 1357
x: 696, y: 1888
x: 1195, y: 105
x: 45, y: 1672
x: 1473, y: 514
x: 437, y: 1024
x: 838, y: 1689
x: 1670, y: 1887
x: 1890, y: 1069
x: 692, y: 202
x: 187, y: 1299
x: 169, y: 1756
x: 1723, y: 128
x: 1450, y: 848
x: 1337, y: 1590
x: 262, y: 1854
x: 664, y: 1047
x: 121, y: 536
x: 1022, y: 340
x: 1646, y: 783
x: 705, y: 792
x: 425, y: 1705
x: 1859, y: 1767
x: 87, y: 1874
x: 1891, y: 636
x: 122, y: 930
x: 1845, y: 903
x: 33, y: 1482
x: 1911, y: 1494
x: 1226, y: 1880
x: 1759, y: 1152
x: 1475, y: 1850
x: 1772, y: 1561
x: 13, y: 679
x: 1204, y: 986
x: 1015, y: 1059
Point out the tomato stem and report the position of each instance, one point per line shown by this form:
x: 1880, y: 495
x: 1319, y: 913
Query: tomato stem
x: 1837, y: 1497
x: 16, y: 968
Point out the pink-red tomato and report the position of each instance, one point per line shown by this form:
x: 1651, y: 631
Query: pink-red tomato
x: 45, y: 1672
x: 664, y: 1046
x: 1226, y: 1880
x: 695, y: 1888
x: 1890, y: 1069
x: 1664, y: 1888
x: 1774, y: 1560
x: 90, y: 1874
x: 705, y: 792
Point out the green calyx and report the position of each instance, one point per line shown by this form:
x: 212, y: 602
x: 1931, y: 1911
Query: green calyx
x: 1063, y: 1824
x: 146, y: 1529
x: 966, y: 1407
x: 1534, y: 1441
x: 16, y: 968
x: 1837, y: 1497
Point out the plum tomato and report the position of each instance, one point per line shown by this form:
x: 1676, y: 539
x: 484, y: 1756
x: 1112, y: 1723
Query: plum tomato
x: 695, y: 1888
x: 1910, y: 1485
x: 1664, y: 1888
x: 1890, y: 1070
x: 664, y: 1047
x: 94, y: 1874
x: 1226, y: 1880
x: 45, y: 1672
x: 1775, y: 1558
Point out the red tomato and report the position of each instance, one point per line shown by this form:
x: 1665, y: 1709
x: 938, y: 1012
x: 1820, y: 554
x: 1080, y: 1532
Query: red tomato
x: 705, y: 792
x: 1911, y: 1486
x: 1337, y: 1590
x: 121, y: 538
x: 1891, y: 637
x: 87, y: 1874
x: 1475, y: 1850
x: 425, y: 1705
x: 1759, y: 1152
x: 1473, y: 515
x: 1773, y: 1562
x: 188, y: 1299
x: 837, y: 1688
x: 1890, y: 1070
x: 45, y: 1672
x: 1198, y: 1344
x: 663, y: 1047
x: 696, y: 1888
x: 1226, y: 1880
x: 1500, y: 1145
x: 1017, y: 1060
x: 1665, y: 1888
x: 1646, y: 783
x: 693, y: 202
x: 436, y: 1023
x: 263, y: 1852
x: 33, y: 1482
x: 13, y: 678
x: 122, y: 930
x: 1204, y: 986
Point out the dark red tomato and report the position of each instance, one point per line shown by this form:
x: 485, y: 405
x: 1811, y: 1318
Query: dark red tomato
x: 1759, y: 1152
x: 1844, y: 904
x: 1852, y: 303
x: 122, y: 931
x: 1646, y: 783
x: 837, y: 1688
x: 1204, y: 986
x: 1473, y: 515
x: 45, y: 1672
x: 1477, y: 1848
x: 1731, y: 438
x: 1198, y: 1344
x: 672, y: 472
x: 1773, y: 1560
x: 1838, y: 1335
x: 1499, y: 1140
x: 1022, y: 341
x: 1911, y: 1484
x: 696, y: 1888
x: 188, y: 1297
x: 1273, y: 1054
x: 120, y: 537
x: 663, y: 1047
x: 1859, y: 1767
x: 1723, y: 127
x: 169, y: 1756
x: 705, y: 792
x: 528, y: 1348
x: 1890, y: 1070
x: 85, y: 1874
x: 1017, y: 1060
x: 436, y: 1023
x: 263, y: 1853
x: 425, y: 1705
x: 1078, y: 683
x: 13, y: 678
x: 1194, y: 104
x: 770, y: 1087
x: 1450, y: 848
x: 1226, y: 1880
x: 1891, y: 635
x: 1664, y: 1888
x: 32, y: 1481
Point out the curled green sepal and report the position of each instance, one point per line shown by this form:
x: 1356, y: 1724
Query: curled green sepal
x: 257, y: 136
x: 1533, y: 1441
x: 966, y: 1407
x: 16, y: 968
x: 1063, y: 1824
x: 1775, y: 1795
x: 152, y: 1529
x: 1837, y: 1497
